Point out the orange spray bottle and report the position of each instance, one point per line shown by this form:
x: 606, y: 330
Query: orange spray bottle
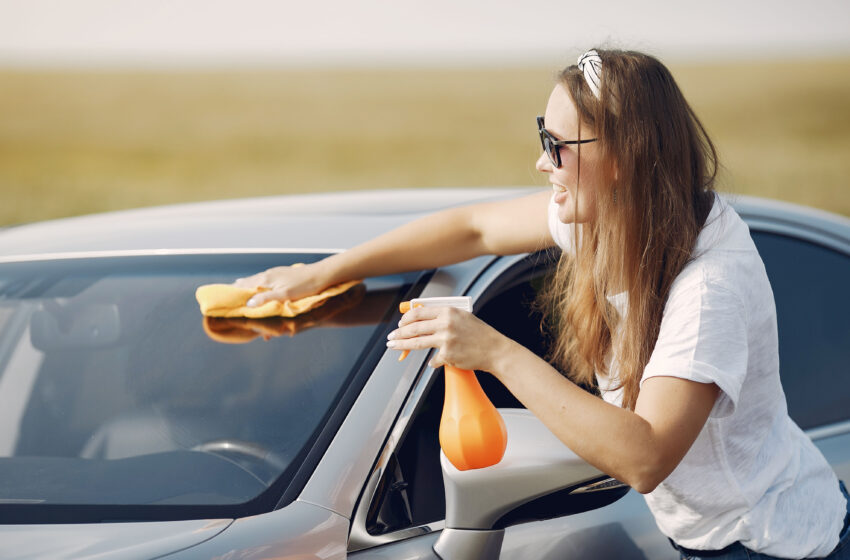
x: 472, y: 432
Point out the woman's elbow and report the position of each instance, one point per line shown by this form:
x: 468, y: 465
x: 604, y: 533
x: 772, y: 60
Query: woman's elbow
x: 646, y: 477
x: 645, y: 485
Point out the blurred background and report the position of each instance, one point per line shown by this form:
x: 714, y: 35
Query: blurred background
x: 111, y: 104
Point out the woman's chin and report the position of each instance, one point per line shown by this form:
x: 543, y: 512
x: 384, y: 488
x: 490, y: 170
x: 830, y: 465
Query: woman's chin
x: 565, y: 215
x: 560, y: 197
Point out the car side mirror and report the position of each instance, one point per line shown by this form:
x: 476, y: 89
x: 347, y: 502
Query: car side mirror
x: 538, y: 478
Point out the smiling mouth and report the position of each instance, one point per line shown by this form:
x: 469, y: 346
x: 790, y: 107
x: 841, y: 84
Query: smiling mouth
x: 559, y: 188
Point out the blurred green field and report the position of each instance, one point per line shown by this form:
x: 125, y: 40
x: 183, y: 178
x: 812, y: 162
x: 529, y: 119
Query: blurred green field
x: 75, y: 142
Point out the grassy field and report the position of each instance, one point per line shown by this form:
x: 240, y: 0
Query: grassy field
x: 80, y: 142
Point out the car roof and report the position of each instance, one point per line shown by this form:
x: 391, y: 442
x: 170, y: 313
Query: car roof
x: 329, y: 221
x: 309, y: 222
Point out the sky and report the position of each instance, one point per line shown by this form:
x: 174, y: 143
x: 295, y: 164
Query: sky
x: 379, y: 32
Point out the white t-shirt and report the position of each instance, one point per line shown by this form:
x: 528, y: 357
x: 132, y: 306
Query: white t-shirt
x: 752, y: 475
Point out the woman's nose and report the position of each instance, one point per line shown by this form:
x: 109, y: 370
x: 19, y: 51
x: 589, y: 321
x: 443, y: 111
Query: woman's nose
x: 543, y: 164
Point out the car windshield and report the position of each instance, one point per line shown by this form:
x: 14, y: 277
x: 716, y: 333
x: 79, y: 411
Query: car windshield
x: 116, y: 393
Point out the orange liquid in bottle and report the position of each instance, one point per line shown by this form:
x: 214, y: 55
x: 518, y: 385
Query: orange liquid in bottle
x: 472, y: 432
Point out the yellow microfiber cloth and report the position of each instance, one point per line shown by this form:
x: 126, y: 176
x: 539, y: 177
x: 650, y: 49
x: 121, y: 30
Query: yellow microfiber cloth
x: 226, y: 300
x: 239, y: 330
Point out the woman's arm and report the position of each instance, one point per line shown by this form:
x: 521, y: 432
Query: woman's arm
x: 446, y: 237
x: 640, y: 448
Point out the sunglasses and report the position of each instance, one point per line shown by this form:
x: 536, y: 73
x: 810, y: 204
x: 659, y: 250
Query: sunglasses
x: 552, y: 146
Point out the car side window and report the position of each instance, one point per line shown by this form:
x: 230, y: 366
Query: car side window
x: 411, y: 491
x: 810, y: 284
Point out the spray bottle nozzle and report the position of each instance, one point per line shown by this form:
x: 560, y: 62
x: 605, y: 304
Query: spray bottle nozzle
x: 460, y: 302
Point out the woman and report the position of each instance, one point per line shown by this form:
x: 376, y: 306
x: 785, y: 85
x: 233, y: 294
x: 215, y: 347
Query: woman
x: 661, y: 301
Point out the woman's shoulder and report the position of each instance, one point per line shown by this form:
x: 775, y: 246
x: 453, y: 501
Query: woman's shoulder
x: 724, y: 231
x: 725, y: 263
x: 724, y: 248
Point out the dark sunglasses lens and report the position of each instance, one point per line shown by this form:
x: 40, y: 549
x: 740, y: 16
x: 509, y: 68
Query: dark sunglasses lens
x: 552, y: 152
x: 548, y: 147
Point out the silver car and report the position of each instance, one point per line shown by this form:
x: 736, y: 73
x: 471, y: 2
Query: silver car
x: 131, y: 427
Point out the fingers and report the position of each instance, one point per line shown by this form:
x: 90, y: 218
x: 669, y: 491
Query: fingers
x: 269, y: 295
x: 242, y: 283
x: 412, y: 330
x: 437, y: 361
x: 418, y: 329
x: 420, y: 314
x: 456, y: 335
x: 416, y: 343
x: 250, y: 282
x: 424, y: 321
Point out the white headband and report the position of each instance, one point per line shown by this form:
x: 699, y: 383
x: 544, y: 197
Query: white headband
x: 590, y: 64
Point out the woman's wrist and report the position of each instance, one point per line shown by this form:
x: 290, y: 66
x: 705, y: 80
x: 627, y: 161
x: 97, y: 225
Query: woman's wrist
x: 502, y: 353
x: 325, y: 273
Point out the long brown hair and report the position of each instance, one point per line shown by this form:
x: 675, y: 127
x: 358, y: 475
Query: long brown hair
x: 656, y: 196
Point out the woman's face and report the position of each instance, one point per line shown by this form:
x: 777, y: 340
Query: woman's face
x: 561, y: 120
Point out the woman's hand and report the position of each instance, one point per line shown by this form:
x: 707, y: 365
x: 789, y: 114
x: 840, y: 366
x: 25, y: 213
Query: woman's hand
x: 462, y: 339
x: 283, y: 283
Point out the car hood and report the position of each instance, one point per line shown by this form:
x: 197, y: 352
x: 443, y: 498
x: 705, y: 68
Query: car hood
x: 105, y: 540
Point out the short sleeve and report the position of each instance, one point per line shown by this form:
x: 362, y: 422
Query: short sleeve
x: 703, y: 338
x: 562, y: 233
